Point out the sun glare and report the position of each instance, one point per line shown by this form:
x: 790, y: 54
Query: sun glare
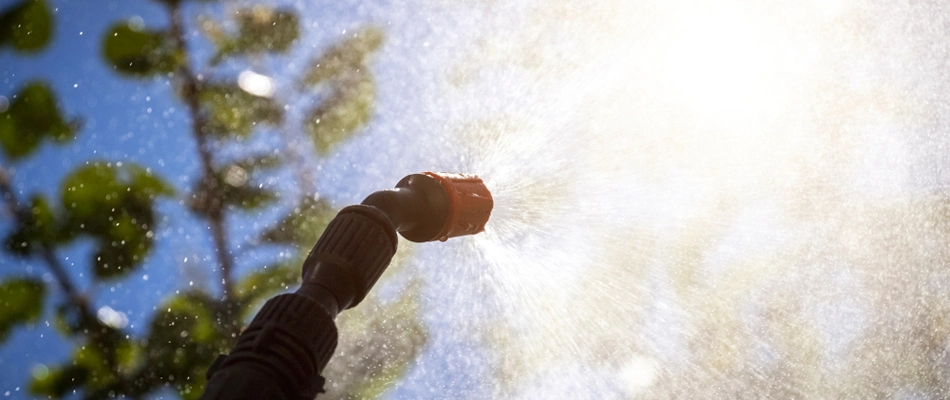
x: 729, y: 63
x: 256, y: 84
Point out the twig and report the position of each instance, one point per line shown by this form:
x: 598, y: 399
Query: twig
x: 47, y: 252
x: 215, y: 210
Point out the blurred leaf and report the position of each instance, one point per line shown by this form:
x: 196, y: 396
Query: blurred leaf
x: 350, y: 55
x: 378, y: 342
x: 268, y: 281
x: 352, y: 90
x: 233, y: 111
x: 139, y: 53
x: 186, y: 336
x: 114, y: 204
x: 337, y: 118
x: 93, y: 191
x: 21, y: 300
x: 258, y: 162
x: 89, y: 368
x: 35, y: 229
x: 60, y: 381
x: 123, y: 246
x: 33, y: 115
x: 26, y: 26
x: 248, y: 197
x: 260, y: 29
x: 303, y: 226
x: 233, y: 187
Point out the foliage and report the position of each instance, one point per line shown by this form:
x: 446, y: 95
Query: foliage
x: 32, y: 116
x: 352, y: 90
x: 236, y: 112
x: 36, y: 229
x: 21, y: 300
x: 303, y: 225
x: 112, y: 204
x: 138, y: 52
x: 260, y: 30
x: 26, y: 27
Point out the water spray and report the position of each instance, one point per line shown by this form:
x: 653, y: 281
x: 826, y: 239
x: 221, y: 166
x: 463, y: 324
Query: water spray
x: 281, y: 354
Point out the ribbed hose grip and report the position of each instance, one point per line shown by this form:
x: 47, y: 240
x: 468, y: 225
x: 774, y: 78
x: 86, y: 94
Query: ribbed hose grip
x: 283, y: 350
x: 352, y: 253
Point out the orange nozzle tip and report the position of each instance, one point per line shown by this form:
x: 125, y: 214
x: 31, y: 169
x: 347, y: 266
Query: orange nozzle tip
x: 470, y: 204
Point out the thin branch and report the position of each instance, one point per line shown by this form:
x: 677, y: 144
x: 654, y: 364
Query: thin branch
x: 21, y: 213
x: 190, y: 92
x: 74, y: 297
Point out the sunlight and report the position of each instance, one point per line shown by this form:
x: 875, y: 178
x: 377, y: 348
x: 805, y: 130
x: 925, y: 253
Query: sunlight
x: 728, y: 63
x: 256, y: 84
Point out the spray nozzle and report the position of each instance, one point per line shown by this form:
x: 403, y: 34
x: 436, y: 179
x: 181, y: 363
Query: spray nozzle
x: 435, y: 206
x: 293, y: 336
x: 359, y: 242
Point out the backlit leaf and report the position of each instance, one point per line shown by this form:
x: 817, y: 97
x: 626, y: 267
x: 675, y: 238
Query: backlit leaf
x: 232, y: 186
x: 260, y: 29
x: 21, y: 300
x: 137, y: 52
x: 114, y: 204
x: 32, y: 116
x: 36, y: 228
x: 267, y: 281
x: 188, y: 333
x: 60, y: 381
x: 350, y: 55
x: 233, y: 111
x: 336, y: 119
x: 303, y: 226
x: 374, y: 352
x: 27, y: 26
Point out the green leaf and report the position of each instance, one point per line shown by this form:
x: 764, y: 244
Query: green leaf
x: 26, y: 26
x: 378, y: 343
x: 352, y: 90
x: 21, y: 300
x: 60, y: 381
x: 233, y: 186
x: 350, y: 55
x: 35, y: 229
x: 94, y: 367
x: 260, y: 29
x: 303, y: 226
x: 258, y: 162
x: 123, y: 246
x: 139, y: 53
x: 186, y: 336
x: 113, y: 203
x: 233, y: 111
x: 33, y: 115
x: 340, y: 116
x: 248, y: 197
x: 267, y: 281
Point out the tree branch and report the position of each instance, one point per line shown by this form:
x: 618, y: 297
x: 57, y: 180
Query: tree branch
x: 87, y: 317
x: 214, y: 211
x: 20, y: 213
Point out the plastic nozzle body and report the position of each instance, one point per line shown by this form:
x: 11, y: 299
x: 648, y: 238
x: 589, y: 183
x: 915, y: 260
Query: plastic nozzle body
x: 435, y: 206
x: 470, y: 204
